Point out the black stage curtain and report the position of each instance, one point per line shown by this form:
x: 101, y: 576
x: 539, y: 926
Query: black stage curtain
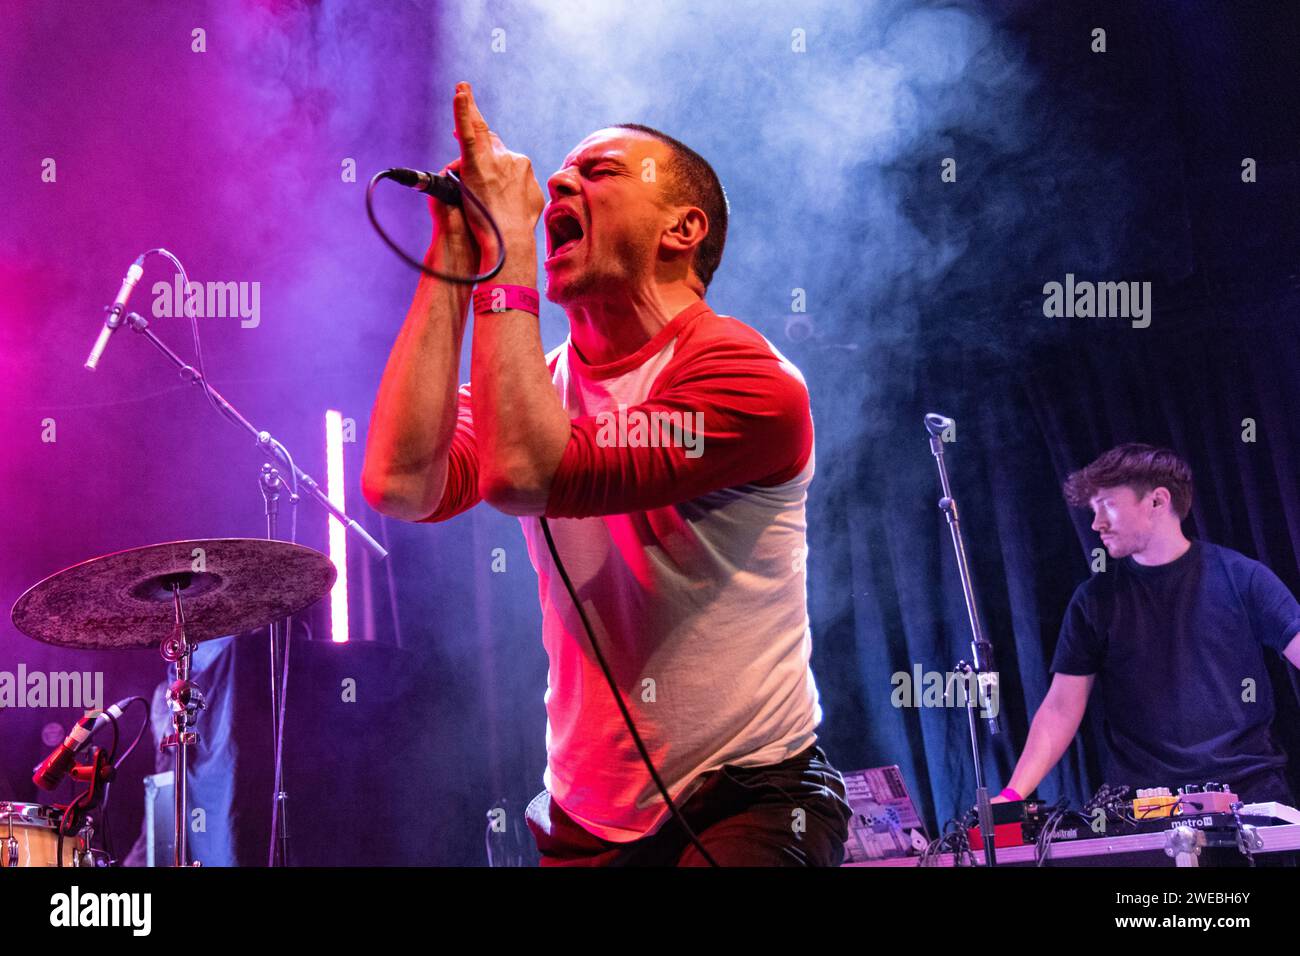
x: 883, y: 584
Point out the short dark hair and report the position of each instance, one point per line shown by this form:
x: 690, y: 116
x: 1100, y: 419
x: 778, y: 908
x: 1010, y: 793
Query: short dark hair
x: 691, y: 181
x: 1137, y: 466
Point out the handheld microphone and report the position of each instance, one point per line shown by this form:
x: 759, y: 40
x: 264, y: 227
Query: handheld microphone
x: 115, y: 311
x: 444, y: 187
x: 447, y: 188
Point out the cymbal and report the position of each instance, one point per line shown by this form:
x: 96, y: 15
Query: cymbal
x: 122, y: 600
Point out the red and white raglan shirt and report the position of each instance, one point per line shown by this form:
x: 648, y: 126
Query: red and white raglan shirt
x: 678, y: 512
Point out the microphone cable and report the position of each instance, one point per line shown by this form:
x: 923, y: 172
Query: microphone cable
x: 618, y: 698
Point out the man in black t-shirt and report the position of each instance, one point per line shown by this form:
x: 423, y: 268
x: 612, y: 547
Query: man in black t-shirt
x: 1173, y: 632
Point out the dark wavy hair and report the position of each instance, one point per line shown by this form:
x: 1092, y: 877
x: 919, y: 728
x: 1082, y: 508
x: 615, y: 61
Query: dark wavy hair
x: 691, y: 181
x: 1140, y: 467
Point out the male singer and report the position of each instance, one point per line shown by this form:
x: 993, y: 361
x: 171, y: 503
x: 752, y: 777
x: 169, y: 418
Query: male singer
x: 671, y: 449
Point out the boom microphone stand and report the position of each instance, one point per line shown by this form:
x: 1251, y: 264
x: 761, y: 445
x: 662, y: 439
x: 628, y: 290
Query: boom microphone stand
x: 981, y: 666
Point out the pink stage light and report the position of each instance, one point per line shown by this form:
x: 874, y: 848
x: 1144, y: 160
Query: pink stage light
x: 338, y: 534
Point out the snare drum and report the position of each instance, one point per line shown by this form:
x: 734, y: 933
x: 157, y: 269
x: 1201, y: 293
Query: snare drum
x: 29, y: 836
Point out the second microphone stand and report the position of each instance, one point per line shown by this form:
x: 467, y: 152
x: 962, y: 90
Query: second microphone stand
x: 980, y: 668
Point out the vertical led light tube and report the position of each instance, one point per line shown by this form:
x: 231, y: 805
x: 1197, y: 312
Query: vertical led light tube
x: 338, y: 534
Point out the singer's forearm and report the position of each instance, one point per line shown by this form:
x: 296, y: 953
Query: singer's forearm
x: 519, y: 422
x: 414, y: 416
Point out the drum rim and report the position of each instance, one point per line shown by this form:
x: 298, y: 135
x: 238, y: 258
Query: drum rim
x: 35, y: 815
x: 27, y: 814
x: 16, y: 814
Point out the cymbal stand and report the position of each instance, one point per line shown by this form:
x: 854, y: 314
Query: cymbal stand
x: 185, y: 701
x: 272, y: 484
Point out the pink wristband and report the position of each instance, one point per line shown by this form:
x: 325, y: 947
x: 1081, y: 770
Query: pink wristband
x: 1010, y: 794
x: 499, y: 298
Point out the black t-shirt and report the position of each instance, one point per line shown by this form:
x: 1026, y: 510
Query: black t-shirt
x: 1178, y: 653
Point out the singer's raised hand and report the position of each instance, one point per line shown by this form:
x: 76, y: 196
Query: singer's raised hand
x: 502, y: 179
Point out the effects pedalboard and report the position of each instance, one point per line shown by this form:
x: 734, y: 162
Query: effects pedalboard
x: 1202, y: 806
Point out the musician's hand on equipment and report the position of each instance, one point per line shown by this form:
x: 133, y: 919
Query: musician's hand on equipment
x: 502, y: 179
x: 998, y: 799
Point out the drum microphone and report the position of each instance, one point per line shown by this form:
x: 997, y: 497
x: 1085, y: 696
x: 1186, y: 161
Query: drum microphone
x: 115, y: 311
x: 444, y: 187
x: 50, y: 773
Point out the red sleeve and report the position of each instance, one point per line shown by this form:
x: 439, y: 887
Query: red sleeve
x: 729, y: 411
x: 461, y: 491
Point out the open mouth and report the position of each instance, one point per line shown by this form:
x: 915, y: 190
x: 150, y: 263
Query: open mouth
x: 563, y: 233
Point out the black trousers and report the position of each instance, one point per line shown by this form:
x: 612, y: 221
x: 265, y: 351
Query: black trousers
x: 793, y: 813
